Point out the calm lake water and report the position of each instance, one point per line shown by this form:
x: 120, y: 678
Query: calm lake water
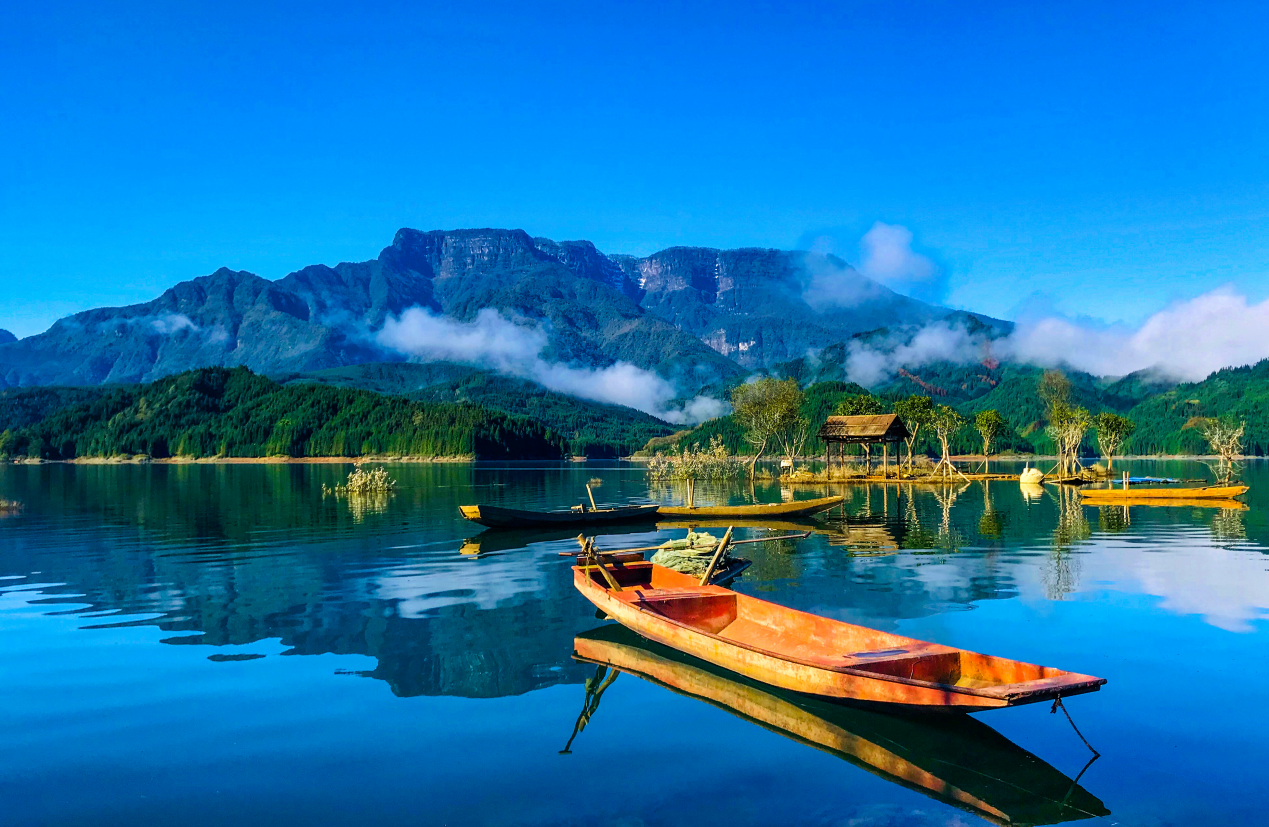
x: 221, y: 645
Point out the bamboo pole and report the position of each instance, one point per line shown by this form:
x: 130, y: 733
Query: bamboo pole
x: 718, y: 555
x: 591, y: 494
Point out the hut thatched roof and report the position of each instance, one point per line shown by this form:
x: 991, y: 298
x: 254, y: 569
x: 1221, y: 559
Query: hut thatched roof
x: 862, y: 429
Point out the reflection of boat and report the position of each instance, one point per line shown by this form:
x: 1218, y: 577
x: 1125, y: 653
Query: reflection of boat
x: 812, y: 654
x: 1228, y: 505
x: 511, y: 539
x: 796, y: 508
x: 955, y: 759
x: 1207, y: 492
x: 1031, y: 490
x: 498, y: 517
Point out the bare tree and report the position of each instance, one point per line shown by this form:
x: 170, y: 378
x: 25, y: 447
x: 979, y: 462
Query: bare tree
x: 1225, y: 435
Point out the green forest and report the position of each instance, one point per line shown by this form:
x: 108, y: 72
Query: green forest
x: 593, y: 429
x: 1166, y: 414
x: 443, y: 410
x: 232, y: 412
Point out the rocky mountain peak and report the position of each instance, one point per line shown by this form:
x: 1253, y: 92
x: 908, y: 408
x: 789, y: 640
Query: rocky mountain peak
x: 6, y: 337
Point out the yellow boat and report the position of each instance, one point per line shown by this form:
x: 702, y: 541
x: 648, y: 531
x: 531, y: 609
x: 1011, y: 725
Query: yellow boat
x: 1207, y: 492
x: 758, y: 511
x: 1123, y: 502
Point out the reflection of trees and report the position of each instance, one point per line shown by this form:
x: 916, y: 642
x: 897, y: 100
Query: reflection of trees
x: 1228, y: 525
x: 949, y: 538
x: 1113, y: 518
x: 1061, y: 573
x: 992, y: 523
x: 915, y: 534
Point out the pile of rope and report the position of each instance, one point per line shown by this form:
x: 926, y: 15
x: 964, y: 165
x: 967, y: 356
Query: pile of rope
x: 691, y: 555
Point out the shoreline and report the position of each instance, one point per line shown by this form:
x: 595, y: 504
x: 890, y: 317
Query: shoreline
x: 145, y: 460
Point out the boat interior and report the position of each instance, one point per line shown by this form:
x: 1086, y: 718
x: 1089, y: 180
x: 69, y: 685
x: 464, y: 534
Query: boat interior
x: 816, y: 641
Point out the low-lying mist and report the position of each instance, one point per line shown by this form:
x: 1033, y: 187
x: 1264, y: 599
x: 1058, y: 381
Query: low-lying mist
x: 494, y: 342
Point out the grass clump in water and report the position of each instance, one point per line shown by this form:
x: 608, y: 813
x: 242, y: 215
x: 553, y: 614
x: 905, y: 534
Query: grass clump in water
x: 693, y: 463
x: 361, y: 481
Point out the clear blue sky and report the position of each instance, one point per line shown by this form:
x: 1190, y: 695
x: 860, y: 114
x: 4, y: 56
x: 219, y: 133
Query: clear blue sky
x: 1111, y: 157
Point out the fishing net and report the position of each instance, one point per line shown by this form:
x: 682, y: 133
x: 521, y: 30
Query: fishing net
x: 691, y: 555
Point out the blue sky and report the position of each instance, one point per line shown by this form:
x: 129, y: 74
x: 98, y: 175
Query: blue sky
x: 1100, y: 159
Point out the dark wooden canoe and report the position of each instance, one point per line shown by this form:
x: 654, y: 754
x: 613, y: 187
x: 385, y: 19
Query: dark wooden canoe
x: 797, y: 508
x: 952, y: 758
x: 815, y: 655
x: 497, y: 517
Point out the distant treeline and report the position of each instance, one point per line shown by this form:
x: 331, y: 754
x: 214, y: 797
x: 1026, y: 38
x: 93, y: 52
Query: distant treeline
x: 232, y: 412
x: 1166, y: 414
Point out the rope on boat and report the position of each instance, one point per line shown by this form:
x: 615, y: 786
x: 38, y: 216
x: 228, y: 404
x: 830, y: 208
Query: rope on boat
x: 1057, y: 704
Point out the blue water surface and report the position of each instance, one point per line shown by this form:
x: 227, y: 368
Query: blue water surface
x: 223, y: 645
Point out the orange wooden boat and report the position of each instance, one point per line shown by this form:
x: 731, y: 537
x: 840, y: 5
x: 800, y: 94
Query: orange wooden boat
x: 811, y: 654
x: 952, y: 758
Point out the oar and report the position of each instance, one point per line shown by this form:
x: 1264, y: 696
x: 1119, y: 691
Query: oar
x: 801, y: 536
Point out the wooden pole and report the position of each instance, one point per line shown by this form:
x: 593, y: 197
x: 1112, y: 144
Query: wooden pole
x: 588, y: 548
x: 591, y: 494
x: 718, y: 555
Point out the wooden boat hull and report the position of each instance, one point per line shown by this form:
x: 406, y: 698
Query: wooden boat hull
x: 797, y: 508
x: 806, y: 653
x: 1169, y: 502
x: 1210, y: 492
x: 496, y: 517
x: 954, y: 759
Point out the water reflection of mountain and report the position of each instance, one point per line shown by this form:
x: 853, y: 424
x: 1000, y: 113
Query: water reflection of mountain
x: 955, y: 759
x: 230, y: 555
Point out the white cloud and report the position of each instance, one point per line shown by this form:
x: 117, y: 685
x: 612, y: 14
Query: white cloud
x: 871, y: 363
x: 492, y: 341
x: 1187, y: 341
x: 171, y: 323
x: 887, y: 258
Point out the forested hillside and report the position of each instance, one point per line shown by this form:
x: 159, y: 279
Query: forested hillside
x: 593, y: 429
x: 224, y: 412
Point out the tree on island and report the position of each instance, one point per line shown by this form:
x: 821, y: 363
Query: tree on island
x: 770, y: 411
x: 1067, y: 426
x: 915, y: 412
x: 1225, y: 436
x: 1112, y: 431
x: 1067, y: 423
x: 990, y: 424
x: 946, y: 422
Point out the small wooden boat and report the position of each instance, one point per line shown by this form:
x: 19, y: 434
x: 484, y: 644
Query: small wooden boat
x: 1207, y: 492
x: 811, y: 654
x: 951, y: 758
x: 797, y: 508
x: 498, y: 517
x: 1167, y: 502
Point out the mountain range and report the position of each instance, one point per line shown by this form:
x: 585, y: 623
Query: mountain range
x: 700, y: 318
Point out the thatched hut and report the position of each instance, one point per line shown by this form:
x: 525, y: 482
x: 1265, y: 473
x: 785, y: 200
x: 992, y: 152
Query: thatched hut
x: 840, y: 431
